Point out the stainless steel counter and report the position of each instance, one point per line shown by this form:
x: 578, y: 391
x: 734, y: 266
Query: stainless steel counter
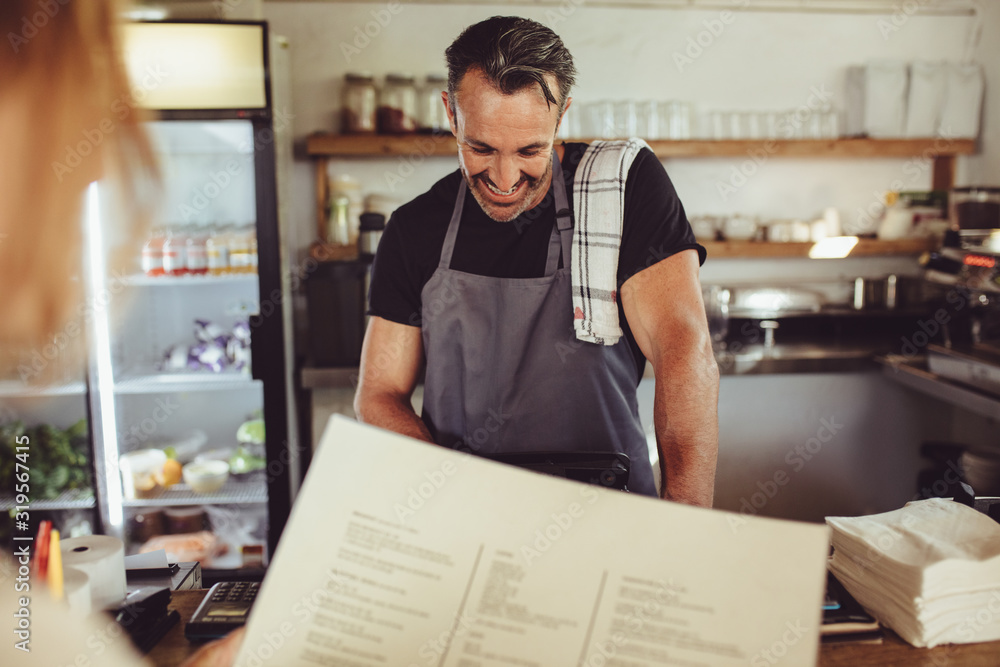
x: 746, y: 360
x: 795, y: 358
x: 912, y: 372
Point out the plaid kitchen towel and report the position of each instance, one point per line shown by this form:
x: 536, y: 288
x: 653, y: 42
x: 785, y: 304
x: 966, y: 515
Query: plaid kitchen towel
x: 599, y: 206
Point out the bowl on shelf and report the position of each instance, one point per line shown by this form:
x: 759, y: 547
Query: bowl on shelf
x: 206, y: 476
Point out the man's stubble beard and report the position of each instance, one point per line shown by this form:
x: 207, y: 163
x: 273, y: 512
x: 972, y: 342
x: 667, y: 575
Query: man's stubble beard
x: 534, y: 194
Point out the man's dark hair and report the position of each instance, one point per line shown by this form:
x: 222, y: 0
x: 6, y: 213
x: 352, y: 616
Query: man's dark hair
x: 513, y: 53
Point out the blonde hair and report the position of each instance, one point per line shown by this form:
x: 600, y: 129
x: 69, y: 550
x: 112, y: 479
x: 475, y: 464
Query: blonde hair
x: 60, y: 75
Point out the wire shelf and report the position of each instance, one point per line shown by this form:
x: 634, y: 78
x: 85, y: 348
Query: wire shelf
x: 67, y: 500
x: 142, y: 280
x: 235, y: 491
x: 15, y: 389
x: 155, y: 383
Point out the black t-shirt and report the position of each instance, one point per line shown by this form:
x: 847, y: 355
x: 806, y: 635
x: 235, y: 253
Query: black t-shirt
x: 655, y: 227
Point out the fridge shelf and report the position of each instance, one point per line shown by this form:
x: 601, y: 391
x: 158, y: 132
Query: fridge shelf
x: 142, y: 280
x: 154, y: 383
x: 235, y: 492
x: 14, y: 388
x: 67, y: 500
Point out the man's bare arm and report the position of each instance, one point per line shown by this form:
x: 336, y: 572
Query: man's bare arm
x: 391, y: 358
x: 664, y: 309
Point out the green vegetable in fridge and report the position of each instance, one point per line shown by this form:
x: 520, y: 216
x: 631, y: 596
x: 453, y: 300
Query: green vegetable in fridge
x: 243, y: 461
x: 251, y: 431
x: 58, y: 459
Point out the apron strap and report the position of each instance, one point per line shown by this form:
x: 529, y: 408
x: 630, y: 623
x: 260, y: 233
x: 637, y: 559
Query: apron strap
x: 449, y: 238
x: 561, y: 240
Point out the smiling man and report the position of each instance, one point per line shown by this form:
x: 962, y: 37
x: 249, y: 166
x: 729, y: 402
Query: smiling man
x: 472, y: 286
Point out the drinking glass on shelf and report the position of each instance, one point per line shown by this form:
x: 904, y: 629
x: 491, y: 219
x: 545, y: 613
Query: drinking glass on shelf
x: 750, y: 127
x: 831, y: 125
x: 702, y: 125
x: 680, y: 116
x: 771, y: 125
x: 624, y: 119
x: 734, y: 120
x: 591, y: 122
x: 646, y: 120
x: 665, y: 120
x: 569, y: 128
x: 719, y: 123
x: 795, y: 125
x: 814, y: 125
x: 603, y: 119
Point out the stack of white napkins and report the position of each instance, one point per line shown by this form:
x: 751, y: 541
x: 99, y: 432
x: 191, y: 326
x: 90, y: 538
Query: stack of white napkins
x: 930, y: 571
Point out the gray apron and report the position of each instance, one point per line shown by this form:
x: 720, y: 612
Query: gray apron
x: 505, y: 371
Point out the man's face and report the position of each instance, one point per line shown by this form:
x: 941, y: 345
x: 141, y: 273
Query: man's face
x: 504, y: 144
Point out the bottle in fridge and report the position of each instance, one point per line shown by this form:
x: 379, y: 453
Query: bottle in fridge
x: 196, y: 259
x: 152, y: 253
x: 217, y: 251
x: 175, y: 253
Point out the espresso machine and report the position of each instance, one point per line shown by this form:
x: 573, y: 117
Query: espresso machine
x: 965, y: 353
x: 968, y: 261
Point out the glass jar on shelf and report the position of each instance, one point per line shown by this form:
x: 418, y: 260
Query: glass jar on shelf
x: 359, y: 104
x: 397, y: 109
x: 345, y: 206
x: 431, y: 114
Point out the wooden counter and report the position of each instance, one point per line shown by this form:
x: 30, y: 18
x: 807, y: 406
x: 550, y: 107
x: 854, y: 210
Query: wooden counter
x: 174, y: 647
x: 893, y: 652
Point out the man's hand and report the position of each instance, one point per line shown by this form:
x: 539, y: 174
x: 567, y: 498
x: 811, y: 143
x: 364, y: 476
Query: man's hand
x: 391, y: 359
x: 664, y: 309
x: 220, y: 653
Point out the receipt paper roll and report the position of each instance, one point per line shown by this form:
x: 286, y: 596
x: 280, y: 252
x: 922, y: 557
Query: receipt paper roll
x: 102, y: 559
x: 76, y: 588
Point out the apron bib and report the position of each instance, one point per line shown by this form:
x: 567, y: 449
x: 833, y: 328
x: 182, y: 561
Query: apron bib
x: 505, y: 371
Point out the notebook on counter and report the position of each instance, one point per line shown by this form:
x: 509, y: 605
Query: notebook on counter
x: 844, y: 619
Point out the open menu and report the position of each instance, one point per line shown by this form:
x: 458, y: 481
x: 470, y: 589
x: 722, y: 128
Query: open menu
x: 403, y: 554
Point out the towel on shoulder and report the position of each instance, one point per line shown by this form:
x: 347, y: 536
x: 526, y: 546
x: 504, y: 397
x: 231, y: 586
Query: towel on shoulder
x: 599, y: 211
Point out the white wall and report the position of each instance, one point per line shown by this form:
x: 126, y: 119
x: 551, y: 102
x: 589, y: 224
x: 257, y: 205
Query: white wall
x: 984, y: 168
x: 759, y: 61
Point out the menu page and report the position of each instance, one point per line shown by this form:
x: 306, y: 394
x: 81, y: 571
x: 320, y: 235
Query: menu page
x: 401, y: 553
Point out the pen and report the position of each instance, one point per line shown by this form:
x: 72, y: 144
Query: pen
x: 42, y: 549
x: 55, y: 573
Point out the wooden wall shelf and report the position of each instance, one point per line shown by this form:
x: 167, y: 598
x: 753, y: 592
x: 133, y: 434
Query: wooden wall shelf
x: 336, y: 145
x: 864, y: 248
x: 324, y: 146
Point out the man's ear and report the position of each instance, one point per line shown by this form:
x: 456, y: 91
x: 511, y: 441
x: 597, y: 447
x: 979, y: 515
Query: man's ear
x: 451, y: 113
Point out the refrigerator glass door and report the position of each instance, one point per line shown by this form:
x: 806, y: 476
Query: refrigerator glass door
x: 171, y: 355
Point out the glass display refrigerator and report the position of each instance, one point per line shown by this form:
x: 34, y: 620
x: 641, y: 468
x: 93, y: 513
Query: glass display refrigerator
x: 184, y: 417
